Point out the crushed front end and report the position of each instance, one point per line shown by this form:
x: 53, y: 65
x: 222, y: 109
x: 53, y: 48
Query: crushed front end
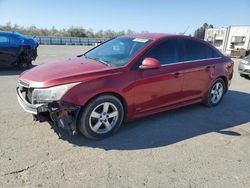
x: 61, y: 113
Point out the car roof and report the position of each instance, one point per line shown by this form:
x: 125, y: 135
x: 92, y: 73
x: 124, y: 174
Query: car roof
x: 13, y: 33
x: 7, y: 32
x: 157, y: 36
x: 162, y: 36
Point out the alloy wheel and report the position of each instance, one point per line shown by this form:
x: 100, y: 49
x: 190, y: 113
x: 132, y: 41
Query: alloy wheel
x: 217, y: 92
x: 103, y: 118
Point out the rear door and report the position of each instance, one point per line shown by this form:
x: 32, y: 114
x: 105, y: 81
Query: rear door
x: 198, y: 65
x: 14, y: 48
x: 156, y: 88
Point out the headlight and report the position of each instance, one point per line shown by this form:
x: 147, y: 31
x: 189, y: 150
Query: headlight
x: 245, y: 61
x: 52, y: 93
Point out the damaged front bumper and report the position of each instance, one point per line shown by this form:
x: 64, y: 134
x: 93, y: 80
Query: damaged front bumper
x: 62, y: 113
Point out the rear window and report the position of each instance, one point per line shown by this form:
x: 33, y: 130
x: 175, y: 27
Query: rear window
x: 195, y: 50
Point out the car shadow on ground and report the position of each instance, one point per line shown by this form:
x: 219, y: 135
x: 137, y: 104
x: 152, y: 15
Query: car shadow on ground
x: 12, y: 71
x: 173, y: 126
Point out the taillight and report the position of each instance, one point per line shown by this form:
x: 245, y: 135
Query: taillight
x: 229, y: 68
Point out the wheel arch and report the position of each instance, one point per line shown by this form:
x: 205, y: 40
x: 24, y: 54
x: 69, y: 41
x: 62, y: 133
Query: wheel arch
x: 117, y: 95
x: 224, y: 78
x: 23, y: 52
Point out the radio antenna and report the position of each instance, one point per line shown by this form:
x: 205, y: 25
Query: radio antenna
x: 186, y: 30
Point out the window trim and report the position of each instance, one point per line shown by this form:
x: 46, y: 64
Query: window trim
x: 191, y: 61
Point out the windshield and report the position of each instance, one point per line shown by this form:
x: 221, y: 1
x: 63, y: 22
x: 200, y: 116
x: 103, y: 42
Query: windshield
x: 118, y: 51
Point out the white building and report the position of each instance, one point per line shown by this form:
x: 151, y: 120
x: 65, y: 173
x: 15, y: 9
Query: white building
x: 229, y: 38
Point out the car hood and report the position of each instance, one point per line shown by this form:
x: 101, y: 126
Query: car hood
x: 62, y: 72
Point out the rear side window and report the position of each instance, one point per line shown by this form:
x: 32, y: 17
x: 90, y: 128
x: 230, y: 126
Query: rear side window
x: 4, y: 40
x: 195, y: 50
x: 164, y: 52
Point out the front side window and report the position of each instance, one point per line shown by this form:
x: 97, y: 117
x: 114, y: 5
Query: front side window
x: 165, y: 52
x: 195, y: 50
x: 14, y: 41
x: 118, y: 51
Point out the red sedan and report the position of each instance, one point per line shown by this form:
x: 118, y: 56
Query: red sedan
x: 123, y: 79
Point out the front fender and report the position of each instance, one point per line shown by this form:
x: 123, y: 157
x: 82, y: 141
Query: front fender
x: 121, y: 84
x: 83, y: 92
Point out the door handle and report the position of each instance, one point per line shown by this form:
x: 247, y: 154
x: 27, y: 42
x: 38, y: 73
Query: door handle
x: 208, y: 68
x: 177, y: 74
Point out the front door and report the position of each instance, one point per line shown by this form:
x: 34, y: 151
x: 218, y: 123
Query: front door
x: 8, y: 51
x: 156, y: 88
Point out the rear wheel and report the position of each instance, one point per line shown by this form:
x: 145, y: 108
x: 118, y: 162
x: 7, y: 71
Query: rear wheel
x: 216, y: 92
x: 101, y: 117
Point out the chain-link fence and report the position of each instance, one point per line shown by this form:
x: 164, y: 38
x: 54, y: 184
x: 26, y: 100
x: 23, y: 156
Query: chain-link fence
x: 52, y: 40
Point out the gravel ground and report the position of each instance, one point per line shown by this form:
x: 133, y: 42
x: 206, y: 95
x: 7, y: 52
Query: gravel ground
x: 194, y: 146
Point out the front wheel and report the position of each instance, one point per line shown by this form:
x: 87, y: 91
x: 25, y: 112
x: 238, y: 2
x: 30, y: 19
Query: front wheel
x: 101, y: 117
x: 216, y: 92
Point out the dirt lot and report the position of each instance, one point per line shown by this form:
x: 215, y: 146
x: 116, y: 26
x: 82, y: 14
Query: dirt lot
x: 193, y: 146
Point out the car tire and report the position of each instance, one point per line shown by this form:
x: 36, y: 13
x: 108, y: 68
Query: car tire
x: 24, y: 65
x: 243, y: 75
x: 215, y: 92
x: 95, y: 121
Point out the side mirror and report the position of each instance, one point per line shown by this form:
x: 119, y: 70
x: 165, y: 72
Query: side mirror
x: 150, y: 63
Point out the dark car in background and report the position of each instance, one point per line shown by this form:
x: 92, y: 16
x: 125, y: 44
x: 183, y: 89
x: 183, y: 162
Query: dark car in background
x: 17, y: 50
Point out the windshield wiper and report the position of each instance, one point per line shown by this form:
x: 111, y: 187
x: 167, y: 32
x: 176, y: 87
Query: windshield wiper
x: 104, y: 62
x: 81, y: 55
x: 99, y: 60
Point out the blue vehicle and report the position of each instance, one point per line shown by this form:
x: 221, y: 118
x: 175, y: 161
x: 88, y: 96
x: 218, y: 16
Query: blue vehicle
x: 17, y: 50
